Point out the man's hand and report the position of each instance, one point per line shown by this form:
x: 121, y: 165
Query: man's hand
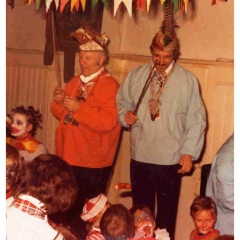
x: 58, y: 95
x: 71, y: 103
x: 130, y: 118
x: 186, y: 163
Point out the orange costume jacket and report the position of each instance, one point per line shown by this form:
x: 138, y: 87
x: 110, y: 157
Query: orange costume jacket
x: 94, y: 141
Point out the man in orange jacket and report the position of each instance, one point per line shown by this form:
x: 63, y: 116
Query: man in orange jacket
x: 88, y: 132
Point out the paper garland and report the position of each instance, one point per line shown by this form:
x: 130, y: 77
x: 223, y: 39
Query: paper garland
x: 178, y: 5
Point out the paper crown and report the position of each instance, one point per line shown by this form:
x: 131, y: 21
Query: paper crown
x: 93, y: 206
x: 164, y: 41
x: 90, y: 40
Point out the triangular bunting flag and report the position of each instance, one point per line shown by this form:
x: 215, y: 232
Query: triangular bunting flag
x: 127, y: 3
x: 57, y: 3
x: 83, y: 2
x: 148, y: 5
x: 105, y: 3
x: 162, y: 1
x: 62, y: 5
x: 38, y: 4
x: 213, y: 2
x: 141, y: 4
x: 175, y: 4
x: 48, y: 2
x: 94, y: 2
x: 73, y: 2
x: 186, y: 5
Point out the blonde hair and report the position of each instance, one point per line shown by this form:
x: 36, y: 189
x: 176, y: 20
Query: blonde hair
x: 201, y: 203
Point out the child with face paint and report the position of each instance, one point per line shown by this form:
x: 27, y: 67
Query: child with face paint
x: 145, y: 224
x: 204, y: 213
x: 25, y: 122
x: 144, y: 221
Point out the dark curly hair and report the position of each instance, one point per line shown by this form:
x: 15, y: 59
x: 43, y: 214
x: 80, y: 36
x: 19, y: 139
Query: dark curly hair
x: 34, y: 117
x: 51, y: 180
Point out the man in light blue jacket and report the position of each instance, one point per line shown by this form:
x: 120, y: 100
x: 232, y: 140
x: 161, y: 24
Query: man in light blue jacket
x: 167, y: 132
x: 220, y: 186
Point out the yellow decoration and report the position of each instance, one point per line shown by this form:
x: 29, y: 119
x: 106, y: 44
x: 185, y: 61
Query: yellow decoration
x: 186, y: 5
x: 72, y: 4
x: 148, y: 5
x: 83, y: 2
x: 162, y: 1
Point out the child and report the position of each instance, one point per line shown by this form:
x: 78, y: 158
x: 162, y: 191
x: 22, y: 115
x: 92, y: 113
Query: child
x: 92, y: 213
x: 144, y: 224
x: 204, y: 213
x: 23, y: 128
x: 116, y: 223
x: 48, y: 186
x: 14, y: 168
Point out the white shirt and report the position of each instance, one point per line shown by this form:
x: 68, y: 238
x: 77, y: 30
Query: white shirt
x: 23, y: 226
x: 89, y: 78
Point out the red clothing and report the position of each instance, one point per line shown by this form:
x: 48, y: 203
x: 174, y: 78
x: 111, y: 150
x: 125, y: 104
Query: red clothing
x: 210, y: 236
x: 94, y: 141
x: 94, y: 234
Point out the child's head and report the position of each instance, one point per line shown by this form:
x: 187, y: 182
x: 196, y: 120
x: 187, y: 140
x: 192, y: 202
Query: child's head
x: 51, y: 180
x: 116, y: 223
x: 14, y: 166
x: 204, y: 213
x: 24, y: 121
x: 94, y: 209
x: 143, y: 219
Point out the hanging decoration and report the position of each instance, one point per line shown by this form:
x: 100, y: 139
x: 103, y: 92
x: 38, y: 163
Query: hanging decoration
x: 215, y: 1
x: 144, y: 5
x: 127, y: 3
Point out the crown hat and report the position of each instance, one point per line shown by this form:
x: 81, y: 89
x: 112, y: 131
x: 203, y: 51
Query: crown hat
x: 93, y: 206
x: 90, y: 40
x: 165, y: 39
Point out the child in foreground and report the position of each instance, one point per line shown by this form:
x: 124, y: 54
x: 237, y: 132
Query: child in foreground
x: 145, y: 224
x: 92, y: 214
x: 204, y: 214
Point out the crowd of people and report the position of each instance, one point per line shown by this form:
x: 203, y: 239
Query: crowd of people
x: 62, y: 196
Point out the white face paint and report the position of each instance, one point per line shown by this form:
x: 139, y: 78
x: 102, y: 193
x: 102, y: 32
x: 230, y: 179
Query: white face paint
x: 19, y: 125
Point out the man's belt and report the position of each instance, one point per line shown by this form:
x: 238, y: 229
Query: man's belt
x: 68, y: 119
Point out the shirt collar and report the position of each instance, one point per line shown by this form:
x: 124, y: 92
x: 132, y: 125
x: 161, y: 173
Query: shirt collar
x: 33, y: 200
x: 89, y: 78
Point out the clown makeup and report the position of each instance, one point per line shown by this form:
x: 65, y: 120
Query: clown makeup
x: 20, y: 126
x: 144, y: 223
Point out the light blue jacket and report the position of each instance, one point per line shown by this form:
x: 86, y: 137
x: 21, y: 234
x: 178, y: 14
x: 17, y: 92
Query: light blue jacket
x: 220, y: 186
x: 181, y: 125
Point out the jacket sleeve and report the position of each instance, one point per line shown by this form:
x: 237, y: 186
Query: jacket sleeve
x: 101, y: 115
x: 124, y: 99
x: 195, y: 122
x: 225, y: 183
x: 57, y: 110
